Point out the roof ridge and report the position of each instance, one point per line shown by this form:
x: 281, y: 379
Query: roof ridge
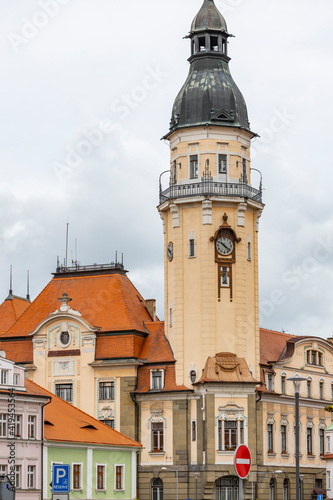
x: 81, y: 411
x: 15, y: 316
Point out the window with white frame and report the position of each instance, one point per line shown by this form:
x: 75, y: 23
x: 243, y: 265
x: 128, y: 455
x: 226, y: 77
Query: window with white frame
x: 101, y: 477
x: 270, y: 438
x: 16, y: 379
x: 106, y: 391
x: 18, y: 426
x: 328, y: 444
x: 328, y: 479
x: 119, y: 477
x: 31, y: 427
x: 225, y: 277
x: 3, y: 470
x: 156, y: 380
x: 283, y: 383
x: 77, y: 476
x: 270, y: 380
x: 314, y: 357
x: 3, y: 425
x: 286, y: 489
x: 321, y: 389
x: 31, y: 476
x: 109, y: 422
x: 64, y: 391
x: 157, y: 437
x: 309, y: 387
x: 193, y: 166
x: 272, y: 489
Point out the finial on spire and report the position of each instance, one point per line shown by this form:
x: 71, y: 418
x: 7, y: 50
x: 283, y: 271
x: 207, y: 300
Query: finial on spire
x: 11, y: 281
x: 28, y: 286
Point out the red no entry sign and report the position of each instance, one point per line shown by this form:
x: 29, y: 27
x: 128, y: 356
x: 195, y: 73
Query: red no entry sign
x: 242, y: 461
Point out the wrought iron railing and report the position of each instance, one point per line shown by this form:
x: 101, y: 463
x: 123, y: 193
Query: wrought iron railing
x: 210, y: 188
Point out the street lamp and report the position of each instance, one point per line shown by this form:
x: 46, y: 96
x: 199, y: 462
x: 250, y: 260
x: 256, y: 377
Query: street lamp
x: 297, y: 384
x: 196, y: 475
x: 176, y: 471
x: 264, y: 472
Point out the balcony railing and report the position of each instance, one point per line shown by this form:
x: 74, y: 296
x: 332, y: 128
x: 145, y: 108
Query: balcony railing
x: 210, y: 188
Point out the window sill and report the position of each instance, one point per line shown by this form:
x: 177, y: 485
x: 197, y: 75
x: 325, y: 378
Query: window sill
x: 285, y: 455
x: 119, y: 491
x: 311, y: 456
x: 225, y: 452
x: 79, y: 490
x: 155, y: 454
x: 102, y: 491
x: 271, y: 454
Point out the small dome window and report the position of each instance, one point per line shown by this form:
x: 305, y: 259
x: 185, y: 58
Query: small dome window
x: 202, y: 44
x: 214, y: 43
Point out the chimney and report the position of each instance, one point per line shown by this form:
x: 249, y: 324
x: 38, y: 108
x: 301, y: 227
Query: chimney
x: 151, y: 308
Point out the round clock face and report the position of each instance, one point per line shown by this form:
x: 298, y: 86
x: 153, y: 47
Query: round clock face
x: 224, y: 245
x: 170, y: 251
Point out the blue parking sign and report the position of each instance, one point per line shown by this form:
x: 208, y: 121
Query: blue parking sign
x: 60, y: 478
x: 320, y: 497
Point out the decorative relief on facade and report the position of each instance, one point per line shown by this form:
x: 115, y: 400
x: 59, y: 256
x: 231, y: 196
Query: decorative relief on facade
x: 38, y: 343
x: 207, y: 212
x: 106, y: 391
x: 271, y: 419
x: 88, y: 340
x: 75, y: 333
x: 52, y: 335
x: 284, y: 420
x: 241, y: 210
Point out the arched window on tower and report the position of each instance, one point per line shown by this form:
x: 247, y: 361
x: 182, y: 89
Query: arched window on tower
x: 214, y: 43
x: 202, y: 44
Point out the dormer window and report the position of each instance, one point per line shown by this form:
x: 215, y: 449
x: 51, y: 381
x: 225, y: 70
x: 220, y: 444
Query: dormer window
x: 156, y: 380
x: 64, y: 338
x: 4, y: 377
x: 270, y: 382
x: 202, y: 44
x: 214, y: 43
x: 314, y: 357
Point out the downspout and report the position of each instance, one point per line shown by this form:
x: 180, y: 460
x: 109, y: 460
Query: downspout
x: 42, y: 447
x: 132, y: 394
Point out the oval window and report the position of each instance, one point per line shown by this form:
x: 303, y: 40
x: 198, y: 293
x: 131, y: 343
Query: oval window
x: 64, y: 338
x: 193, y: 376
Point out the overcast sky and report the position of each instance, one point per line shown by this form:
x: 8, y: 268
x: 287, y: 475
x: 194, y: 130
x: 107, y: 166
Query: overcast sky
x: 109, y: 71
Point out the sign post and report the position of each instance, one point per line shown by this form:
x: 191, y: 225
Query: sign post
x: 60, y: 480
x: 242, y: 462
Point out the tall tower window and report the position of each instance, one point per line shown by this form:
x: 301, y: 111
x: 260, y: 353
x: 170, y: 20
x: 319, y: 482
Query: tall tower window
x: 191, y: 248
x: 214, y: 43
x: 193, y: 166
x: 225, y: 276
x: 202, y: 44
x: 223, y: 164
x: 244, y: 172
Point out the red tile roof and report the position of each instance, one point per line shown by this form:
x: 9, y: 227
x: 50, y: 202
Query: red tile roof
x: 272, y: 344
x: 66, y: 423
x: 19, y: 351
x: 10, y: 310
x: 156, y: 348
x: 109, y: 301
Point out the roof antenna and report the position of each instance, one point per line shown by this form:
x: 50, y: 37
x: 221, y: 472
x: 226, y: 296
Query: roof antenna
x: 76, y: 252
x: 67, y: 242
x: 116, y: 258
x: 11, y: 280
x: 122, y: 259
x: 28, y: 286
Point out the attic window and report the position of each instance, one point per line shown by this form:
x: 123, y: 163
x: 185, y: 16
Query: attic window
x: 89, y: 426
x: 214, y: 43
x: 47, y: 422
x: 156, y: 380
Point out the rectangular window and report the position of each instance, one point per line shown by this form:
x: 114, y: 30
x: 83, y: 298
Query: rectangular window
x: 223, y: 164
x: 249, y: 256
x: 65, y: 391
x: 109, y: 422
x: 157, y: 380
x: 3, y: 470
x: 3, y: 425
x: 313, y: 357
x: 31, y: 427
x: 270, y: 382
x: 283, y: 439
x: 308, y: 357
x: 270, y: 442
x: 106, y: 391
x: 230, y: 435
x: 194, y: 430
x: 119, y: 477
x: 320, y: 359
x: 76, y: 476
x: 328, y: 444
x: 4, y: 377
x: 17, y: 476
x: 18, y: 426
x: 202, y: 44
x: 328, y: 479
x: 100, y: 477
x: 309, y: 440
x: 321, y: 390
x: 224, y: 276
x: 241, y: 432
x: 16, y: 379
x: 322, y: 441
x: 220, y: 434
x: 157, y: 437
x: 191, y: 248
x: 244, y: 165
x: 31, y: 476
x: 193, y: 166
x: 214, y: 43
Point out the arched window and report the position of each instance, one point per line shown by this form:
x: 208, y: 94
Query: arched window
x: 272, y: 489
x: 227, y: 488
x: 157, y: 489
x: 286, y: 489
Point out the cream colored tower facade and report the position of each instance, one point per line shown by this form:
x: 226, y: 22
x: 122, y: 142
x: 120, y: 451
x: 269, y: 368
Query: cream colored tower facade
x: 210, y: 212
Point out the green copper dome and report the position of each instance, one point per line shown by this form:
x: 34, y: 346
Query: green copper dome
x: 209, y: 96
x: 208, y: 17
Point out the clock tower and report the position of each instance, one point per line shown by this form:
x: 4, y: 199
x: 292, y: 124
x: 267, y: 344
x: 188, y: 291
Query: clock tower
x: 210, y: 211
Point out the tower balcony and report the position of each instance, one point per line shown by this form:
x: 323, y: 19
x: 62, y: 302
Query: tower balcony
x: 210, y: 188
